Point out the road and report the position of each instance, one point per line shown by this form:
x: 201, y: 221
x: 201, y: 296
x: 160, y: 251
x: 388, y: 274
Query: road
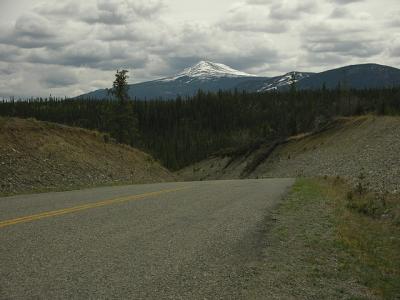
x: 195, y: 240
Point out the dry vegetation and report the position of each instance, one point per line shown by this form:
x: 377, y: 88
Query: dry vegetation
x: 42, y: 156
x: 321, y: 248
x: 368, y: 228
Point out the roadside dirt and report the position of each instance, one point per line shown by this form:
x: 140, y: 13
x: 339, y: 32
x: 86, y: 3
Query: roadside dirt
x: 40, y: 156
x: 366, y: 147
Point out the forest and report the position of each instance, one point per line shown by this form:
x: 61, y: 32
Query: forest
x: 185, y: 130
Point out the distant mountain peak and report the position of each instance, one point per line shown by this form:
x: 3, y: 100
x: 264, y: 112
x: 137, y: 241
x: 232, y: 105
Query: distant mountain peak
x: 212, y: 77
x: 207, y: 69
x: 284, y: 81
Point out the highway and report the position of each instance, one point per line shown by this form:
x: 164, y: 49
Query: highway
x: 188, y: 240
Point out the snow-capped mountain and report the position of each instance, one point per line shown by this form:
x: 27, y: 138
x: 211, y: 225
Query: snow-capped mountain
x: 361, y: 76
x: 205, y: 75
x: 212, y: 77
x: 284, y: 81
x: 205, y: 70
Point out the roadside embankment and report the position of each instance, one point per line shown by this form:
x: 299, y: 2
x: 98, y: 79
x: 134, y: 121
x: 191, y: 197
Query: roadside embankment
x: 366, y: 147
x: 40, y: 156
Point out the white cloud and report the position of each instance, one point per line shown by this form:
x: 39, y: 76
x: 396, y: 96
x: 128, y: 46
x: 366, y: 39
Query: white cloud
x: 88, y: 40
x: 250, y: 18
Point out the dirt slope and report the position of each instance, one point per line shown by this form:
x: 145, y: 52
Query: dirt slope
x: 369, y: 145
x: 41, y: 156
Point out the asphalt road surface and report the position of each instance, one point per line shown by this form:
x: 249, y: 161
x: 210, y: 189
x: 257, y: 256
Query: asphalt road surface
x: 195, y: 240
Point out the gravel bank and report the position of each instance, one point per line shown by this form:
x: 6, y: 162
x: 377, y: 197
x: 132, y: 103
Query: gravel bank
x: 368, y: 145
x: 41, y: 156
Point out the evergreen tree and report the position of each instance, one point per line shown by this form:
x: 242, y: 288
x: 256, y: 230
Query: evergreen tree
x: 182, y: 131
x: 124, y: 124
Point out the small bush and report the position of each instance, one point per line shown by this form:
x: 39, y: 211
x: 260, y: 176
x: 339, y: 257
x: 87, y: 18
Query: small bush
x: 349, y: 196
x: 106, y: 138
x: 338, y: 180
x: 371, y: 204
x: 369, y: 207
x: 396, y: 217
x: 362, y: 184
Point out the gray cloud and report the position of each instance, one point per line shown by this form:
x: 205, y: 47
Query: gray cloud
x: 344, y: 2
x: 205, y: 43
x: 252, y: 19
x: 325, y: 59
x: 34, y: 26
x: 58, y: 78
x: 114, y: 12
x: 254, y: 57
x: 393, y: 19
x: 32, y: 31
x: 6, y: 69
x: 342, y: 41
x: 10, y: 53
x: 394, y: 50
x: 240, y: 60
x: 292, y: 10
x: 286, y: 10
x: 89, y: 40
x: 255, y: 26
x: 94, y: 54
x: 340, y: 12
x: 59, y: 9
x: 259, y: 2
x: 364, y: 49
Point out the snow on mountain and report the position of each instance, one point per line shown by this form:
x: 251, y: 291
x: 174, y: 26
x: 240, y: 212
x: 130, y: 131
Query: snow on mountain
x: 284, y: 81
x: 206, y: 70
x: 213, y: 77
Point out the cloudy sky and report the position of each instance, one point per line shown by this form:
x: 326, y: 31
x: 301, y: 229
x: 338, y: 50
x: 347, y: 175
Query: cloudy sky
x: 70, y: 47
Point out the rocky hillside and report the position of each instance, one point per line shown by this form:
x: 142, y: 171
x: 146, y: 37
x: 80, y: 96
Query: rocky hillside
x: 41, y: 156
x: 351, y: 147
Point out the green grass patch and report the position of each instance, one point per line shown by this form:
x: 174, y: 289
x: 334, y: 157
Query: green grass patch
x: 368, y: 230
x: 319, y: 247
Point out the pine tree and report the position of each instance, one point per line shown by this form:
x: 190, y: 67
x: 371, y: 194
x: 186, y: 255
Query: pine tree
x: 124, y: 120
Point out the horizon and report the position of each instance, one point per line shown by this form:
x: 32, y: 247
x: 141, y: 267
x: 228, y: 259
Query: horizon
x: 17, y: 98
x: 70, y: 48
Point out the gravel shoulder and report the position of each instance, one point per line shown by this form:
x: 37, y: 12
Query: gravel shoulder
x: 367, y: 145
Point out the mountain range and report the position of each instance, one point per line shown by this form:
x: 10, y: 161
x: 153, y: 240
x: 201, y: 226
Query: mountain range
x: 210, y: 76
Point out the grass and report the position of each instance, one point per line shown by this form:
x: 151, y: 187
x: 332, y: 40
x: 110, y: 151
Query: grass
x: 369, y: 230
x: 319, y: 247
x: 43, y: 157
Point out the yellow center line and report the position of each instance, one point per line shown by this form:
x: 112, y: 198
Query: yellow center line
x: 69, y: 210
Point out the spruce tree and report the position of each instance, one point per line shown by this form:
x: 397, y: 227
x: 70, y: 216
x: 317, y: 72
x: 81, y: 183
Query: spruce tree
x: 124, y: 119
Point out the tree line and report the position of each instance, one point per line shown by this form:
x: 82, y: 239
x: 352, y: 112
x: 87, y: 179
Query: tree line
x: 185, y: 130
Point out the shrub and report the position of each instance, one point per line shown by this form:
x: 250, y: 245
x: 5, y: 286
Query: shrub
x: 106, y: 138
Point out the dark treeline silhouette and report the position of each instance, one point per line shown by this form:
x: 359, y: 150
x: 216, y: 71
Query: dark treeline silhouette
x: 183, y: 131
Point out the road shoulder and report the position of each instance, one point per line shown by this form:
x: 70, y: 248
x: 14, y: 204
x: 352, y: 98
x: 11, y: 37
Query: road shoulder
x: 307, y: 254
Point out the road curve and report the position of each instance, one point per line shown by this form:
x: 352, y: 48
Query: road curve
x: 195, y: 240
